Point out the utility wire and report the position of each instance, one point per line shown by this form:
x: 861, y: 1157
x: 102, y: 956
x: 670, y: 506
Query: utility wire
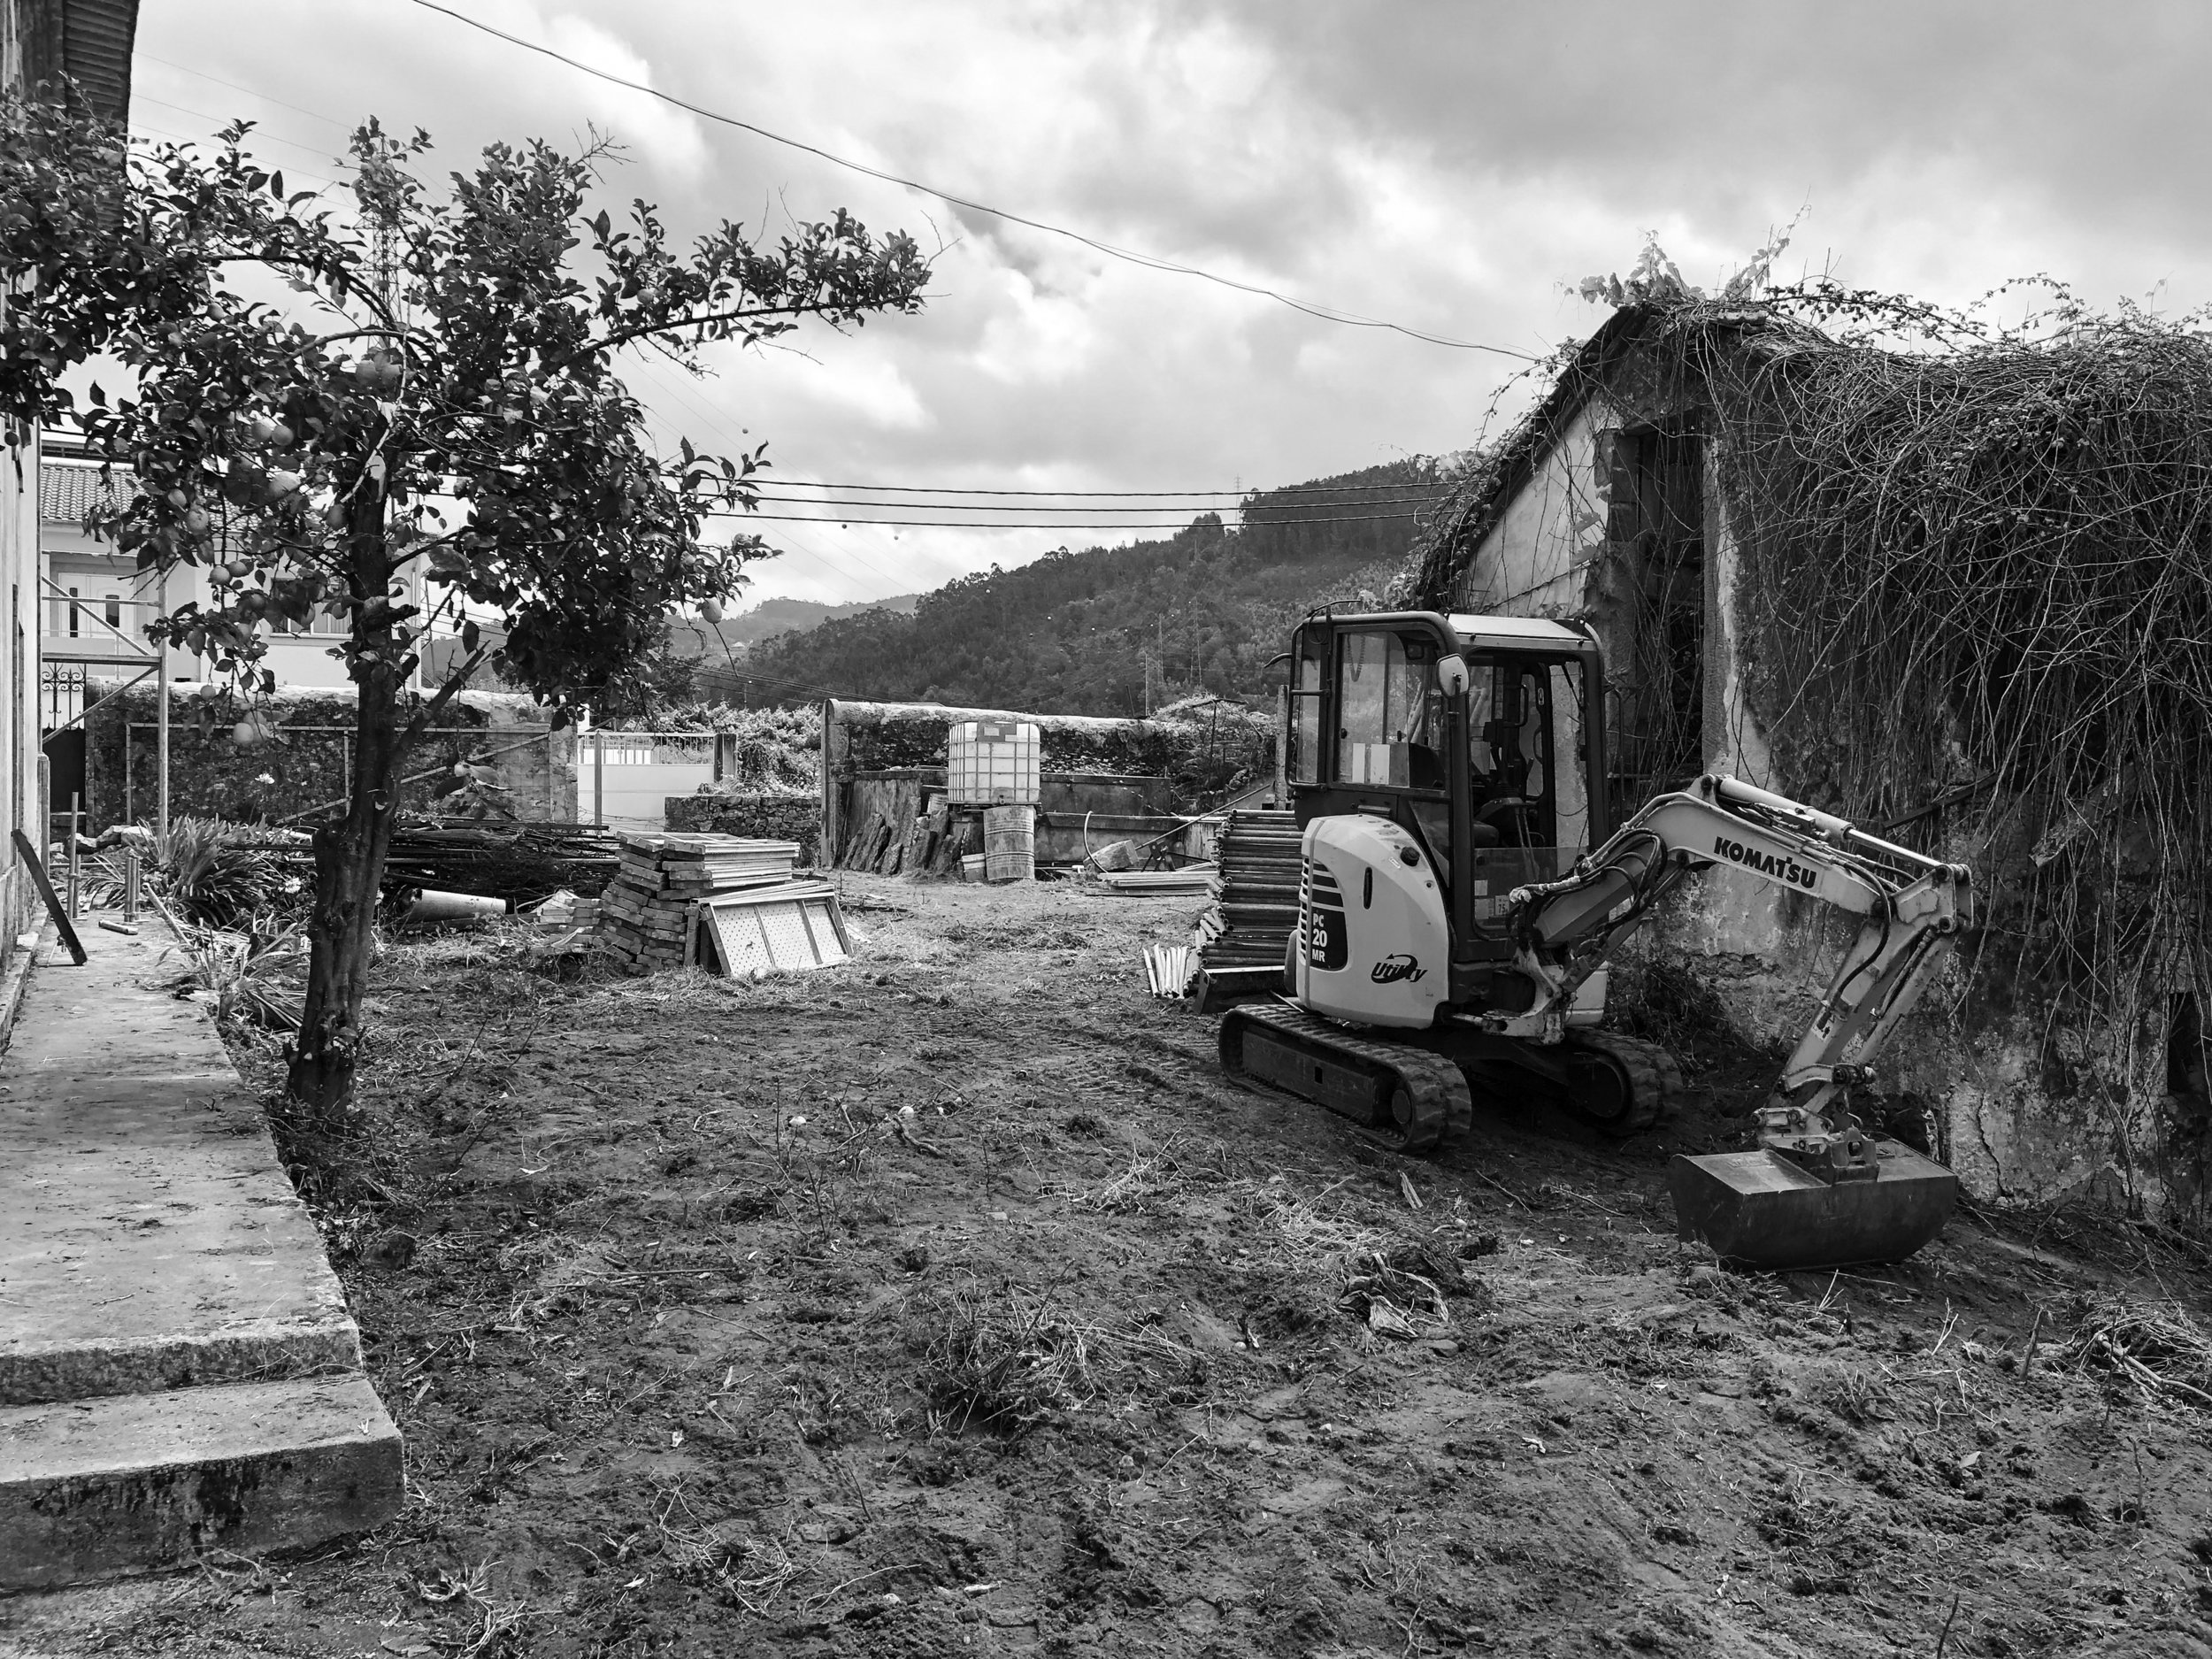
x: 1080, y: 494
x: 714, y: 418
x: 249, y: 91
x: 183, y: 138
x: 1327, y: 313
x: 219, y: 122
x: 724, y: 672
x: 1293, y: 513
x: 847, y: 522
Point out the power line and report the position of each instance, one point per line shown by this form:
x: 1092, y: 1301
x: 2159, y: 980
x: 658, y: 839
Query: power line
x: 1326, y: 313
x: 707, y: 670
x: 182, y: 138
x: 221, y: 121
x: 1293, y: 513
x: 1076, y: 494
x: 957, y: 523
x: 713, y: 419
x: 249, y: 91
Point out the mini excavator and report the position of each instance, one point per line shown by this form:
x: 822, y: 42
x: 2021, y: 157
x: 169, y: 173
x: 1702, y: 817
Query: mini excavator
x: 1460, y: 899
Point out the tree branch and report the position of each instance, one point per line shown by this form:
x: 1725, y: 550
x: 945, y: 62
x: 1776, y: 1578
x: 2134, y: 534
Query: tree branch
x: 431, y: 710
x: 622, y: 337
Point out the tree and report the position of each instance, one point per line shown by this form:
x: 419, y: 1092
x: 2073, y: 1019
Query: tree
x: 432, y: 429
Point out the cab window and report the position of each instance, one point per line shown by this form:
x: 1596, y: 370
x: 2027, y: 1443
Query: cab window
x: 1303, y: 764
x: 1525, y: 764
x: 1390, y: 714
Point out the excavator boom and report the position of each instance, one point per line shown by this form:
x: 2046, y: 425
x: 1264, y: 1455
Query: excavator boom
x: 1817, y: 1191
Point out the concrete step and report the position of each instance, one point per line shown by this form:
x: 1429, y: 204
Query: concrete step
x: 140, y: 1483
x: 148, y: 1239
x: 185, y: 1276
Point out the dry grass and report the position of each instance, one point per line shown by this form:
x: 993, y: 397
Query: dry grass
x: 1013, y: 1359
x: 2155, y: 1346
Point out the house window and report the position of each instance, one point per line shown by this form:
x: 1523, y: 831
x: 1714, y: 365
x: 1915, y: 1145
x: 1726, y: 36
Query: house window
x: 1652, y: 480
x: 73, y: 613
x: 115, y: 611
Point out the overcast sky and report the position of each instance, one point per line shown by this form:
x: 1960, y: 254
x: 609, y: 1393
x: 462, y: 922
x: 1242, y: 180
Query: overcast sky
x: 1452, y: 167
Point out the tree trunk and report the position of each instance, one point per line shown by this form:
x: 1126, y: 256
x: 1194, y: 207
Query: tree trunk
x: 341, y: 929
x: 349, y: 851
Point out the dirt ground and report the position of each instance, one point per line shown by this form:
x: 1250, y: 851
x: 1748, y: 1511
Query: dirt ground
x: 951, y: 1304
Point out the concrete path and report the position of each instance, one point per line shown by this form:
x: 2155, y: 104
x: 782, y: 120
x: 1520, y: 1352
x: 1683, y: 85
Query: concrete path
x: 178, y: 1371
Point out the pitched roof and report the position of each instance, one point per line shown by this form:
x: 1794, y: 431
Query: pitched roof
x: 67, y: 491
x: 90, y: 41
x: 1638, y: 327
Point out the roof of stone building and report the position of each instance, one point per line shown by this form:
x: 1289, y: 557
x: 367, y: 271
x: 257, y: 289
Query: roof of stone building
x: 90, y: 41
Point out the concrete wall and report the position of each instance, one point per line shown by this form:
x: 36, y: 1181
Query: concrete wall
x: 22, y: 796
x: 23, y: 804
x: 1540, y: 557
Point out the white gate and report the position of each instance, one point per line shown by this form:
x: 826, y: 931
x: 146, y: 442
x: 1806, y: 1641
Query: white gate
x: 624, y: 779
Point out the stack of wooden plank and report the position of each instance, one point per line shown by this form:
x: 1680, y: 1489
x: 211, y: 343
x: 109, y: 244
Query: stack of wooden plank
x: 521, y: 863
x: 648, y: 911
x: 1160, y: 884
x: 1241, y: 939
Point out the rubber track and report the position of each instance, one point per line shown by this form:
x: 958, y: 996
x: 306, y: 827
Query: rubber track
x: 1654, y: 1080
x: 1443, y: 1109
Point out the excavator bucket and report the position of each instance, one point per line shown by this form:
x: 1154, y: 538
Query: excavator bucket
x: 1761, y: 1210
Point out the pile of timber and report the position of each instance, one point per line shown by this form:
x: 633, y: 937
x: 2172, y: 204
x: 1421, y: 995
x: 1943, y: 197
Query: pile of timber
x: 521, y: 863
x: 647, y: 913
x: 1242, y: 935
x: 882, y: 825
x: 905, y: 825
x: 1162, y: 884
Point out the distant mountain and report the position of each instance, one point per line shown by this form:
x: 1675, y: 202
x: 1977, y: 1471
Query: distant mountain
x: 770, y: 617
x: 1110, y: 630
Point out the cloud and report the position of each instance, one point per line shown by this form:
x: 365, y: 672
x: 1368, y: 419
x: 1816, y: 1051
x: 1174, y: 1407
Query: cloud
x: 650, y: 130
x: 1453, y: 166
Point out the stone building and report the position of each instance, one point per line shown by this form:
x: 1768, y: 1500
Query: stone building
x: 1624, y: 502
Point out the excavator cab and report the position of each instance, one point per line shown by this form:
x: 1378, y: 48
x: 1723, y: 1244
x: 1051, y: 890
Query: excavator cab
x: 1463, y: 884
x: 1480, y: 738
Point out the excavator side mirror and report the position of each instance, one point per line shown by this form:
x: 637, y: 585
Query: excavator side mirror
x: 1451, y: 675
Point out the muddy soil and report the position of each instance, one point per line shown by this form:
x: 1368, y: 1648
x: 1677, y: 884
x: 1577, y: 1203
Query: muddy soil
x: 951, y: 1304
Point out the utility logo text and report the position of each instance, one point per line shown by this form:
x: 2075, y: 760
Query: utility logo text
x: 1391, y: 969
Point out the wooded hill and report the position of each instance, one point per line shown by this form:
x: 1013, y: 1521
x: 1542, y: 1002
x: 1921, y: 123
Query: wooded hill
x: 717, y: 642
x: 1075, y: 633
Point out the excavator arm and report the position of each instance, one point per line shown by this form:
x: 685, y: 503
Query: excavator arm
x: 1910, y: 907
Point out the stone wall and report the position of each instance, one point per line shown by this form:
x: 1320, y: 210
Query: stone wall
x: 780, y: 818
x: 305, y: 762
x: 2005, y: 1118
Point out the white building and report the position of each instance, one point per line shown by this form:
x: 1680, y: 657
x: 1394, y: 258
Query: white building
x: 88, y: 40
x: 94, y: 605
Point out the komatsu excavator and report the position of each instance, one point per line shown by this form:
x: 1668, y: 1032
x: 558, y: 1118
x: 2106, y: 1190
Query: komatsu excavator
x: 1460, y: 899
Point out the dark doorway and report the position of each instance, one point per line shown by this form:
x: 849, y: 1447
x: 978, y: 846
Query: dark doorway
x: 65, y: 761
x: 1654, y: 483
